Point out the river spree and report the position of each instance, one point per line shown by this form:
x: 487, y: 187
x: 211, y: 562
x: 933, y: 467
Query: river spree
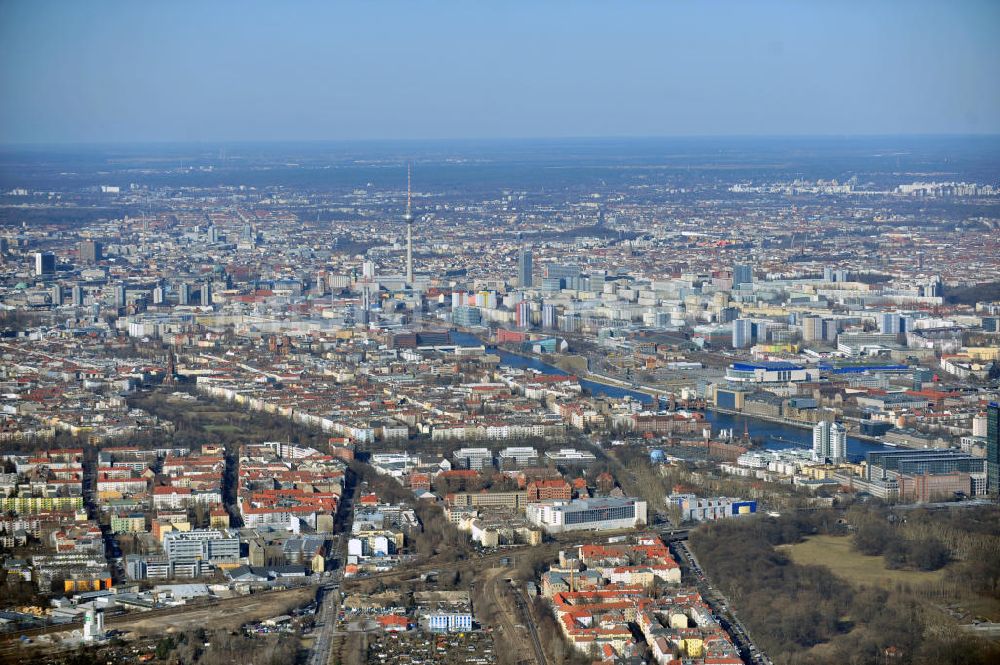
x: 774, y: 436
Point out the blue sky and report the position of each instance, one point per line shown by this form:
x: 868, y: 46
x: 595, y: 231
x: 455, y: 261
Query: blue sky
x: 226, y: 71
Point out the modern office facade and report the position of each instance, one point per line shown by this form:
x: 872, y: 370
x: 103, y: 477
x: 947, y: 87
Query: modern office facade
x: 211, y: 545
x: 770, y: 372
x: 524, y: 267
x: 465, y: 315
x: 45, y: 263
x: 570, y: 456
x: 587, y: 514
x: 517, y: 456
x: 892, y: 323
x: 889, y: 463
x: 473, y: 458
x: 742, y: 333
x: 90, y: 251
x: 742, y: 274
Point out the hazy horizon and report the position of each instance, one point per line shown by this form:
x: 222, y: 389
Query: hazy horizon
x: 223, y: 72
x: 500, y: 139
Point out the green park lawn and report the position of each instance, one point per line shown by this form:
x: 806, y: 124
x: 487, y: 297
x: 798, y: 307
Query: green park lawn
x: 836, y: 553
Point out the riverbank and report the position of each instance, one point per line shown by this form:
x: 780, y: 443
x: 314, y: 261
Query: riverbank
x: 593, y: 383
x: 793, y: 423
x: 778, y: 435
x: 775, y: 434
x: 618, y: 383
x: 771, y: 419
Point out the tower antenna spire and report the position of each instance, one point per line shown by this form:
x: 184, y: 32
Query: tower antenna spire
x: 408, y: 218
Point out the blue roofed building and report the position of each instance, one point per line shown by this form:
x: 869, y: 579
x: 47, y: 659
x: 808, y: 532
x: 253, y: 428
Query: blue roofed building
x: 770, y: 372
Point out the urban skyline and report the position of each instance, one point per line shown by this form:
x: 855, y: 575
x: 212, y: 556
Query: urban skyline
x: 692, y: 358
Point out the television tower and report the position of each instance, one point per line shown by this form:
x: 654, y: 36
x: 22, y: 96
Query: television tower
x: 408, y: 218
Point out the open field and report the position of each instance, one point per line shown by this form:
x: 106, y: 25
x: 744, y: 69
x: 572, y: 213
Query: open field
x: 231, y: 613
x: 227, y: 614
x: 836, y: 553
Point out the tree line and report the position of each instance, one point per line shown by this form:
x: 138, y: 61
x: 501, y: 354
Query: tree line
x: 805, y: 614
x: 925, y: 539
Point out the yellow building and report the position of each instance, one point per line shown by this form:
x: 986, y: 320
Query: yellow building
x: 219, y: 520
x: 692, y: 647
x: 819, y: 471
x: 776, y: 348
x: 983, y: 352
x: 86, y: 584
x: 530, y: 536
x: 41, y: 504
x: 162, y: 527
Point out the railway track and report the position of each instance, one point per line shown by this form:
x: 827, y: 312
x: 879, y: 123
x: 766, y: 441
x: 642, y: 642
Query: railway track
x: 112, y: 620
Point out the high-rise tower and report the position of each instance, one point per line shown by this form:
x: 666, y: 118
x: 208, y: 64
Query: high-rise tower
x: 408, y: 218
x: 366, y: 305
x: 90, y: 251
x: 993, y: 448
x: 829, y: 442
x: 524, y: 277
x: 45, y: 263
x: 742, y: 274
